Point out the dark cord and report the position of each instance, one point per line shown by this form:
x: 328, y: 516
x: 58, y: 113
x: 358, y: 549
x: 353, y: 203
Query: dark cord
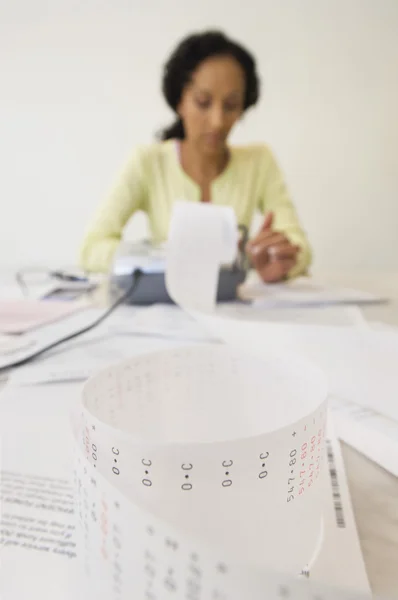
x: 135, y: 279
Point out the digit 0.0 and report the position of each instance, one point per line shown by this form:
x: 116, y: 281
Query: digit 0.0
x: 227, y: 464
x: 115, y: 469
x: 187, y: 486
x: 146, y: 463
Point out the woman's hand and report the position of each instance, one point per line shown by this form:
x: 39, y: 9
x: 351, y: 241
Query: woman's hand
x: 271, y: 253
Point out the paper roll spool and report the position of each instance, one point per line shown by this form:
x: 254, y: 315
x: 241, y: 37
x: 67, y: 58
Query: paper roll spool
x: 207, y: 236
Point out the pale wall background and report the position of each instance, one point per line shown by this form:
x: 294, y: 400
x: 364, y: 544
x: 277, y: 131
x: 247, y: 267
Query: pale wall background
x: 80, y: 86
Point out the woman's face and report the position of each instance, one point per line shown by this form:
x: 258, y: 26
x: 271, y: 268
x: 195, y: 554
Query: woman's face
x: 212, y: 103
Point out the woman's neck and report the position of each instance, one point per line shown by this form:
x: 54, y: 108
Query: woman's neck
x: 199, y: 166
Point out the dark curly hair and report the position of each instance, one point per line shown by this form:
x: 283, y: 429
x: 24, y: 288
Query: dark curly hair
x: 185, y: 59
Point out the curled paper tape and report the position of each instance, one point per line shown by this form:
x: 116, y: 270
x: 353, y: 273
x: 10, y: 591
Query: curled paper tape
x: 223, y: 450
x: 200, y: 469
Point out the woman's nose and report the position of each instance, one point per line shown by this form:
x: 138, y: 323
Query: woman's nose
x: 217, y: 118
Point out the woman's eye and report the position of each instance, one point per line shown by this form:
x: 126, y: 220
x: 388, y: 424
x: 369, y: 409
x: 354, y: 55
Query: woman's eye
x: 231, y: 107
x: 204, y: 104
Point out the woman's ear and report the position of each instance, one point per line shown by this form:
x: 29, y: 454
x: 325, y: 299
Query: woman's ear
x: 179, y: 110
x: 181, y: 106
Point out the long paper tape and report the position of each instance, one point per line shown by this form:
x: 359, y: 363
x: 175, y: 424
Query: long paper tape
x: 169, y: 431
x: 199, y: 469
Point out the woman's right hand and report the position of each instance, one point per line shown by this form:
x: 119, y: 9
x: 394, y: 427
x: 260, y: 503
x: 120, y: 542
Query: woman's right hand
x: 271, y: 253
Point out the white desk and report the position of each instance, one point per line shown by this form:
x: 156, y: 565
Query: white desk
x: 374, y: 492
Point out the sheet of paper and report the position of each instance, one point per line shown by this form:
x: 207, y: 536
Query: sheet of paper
x: 161, y: 320
x: 306, y: 292
x: 367, y: 431
x: 38, y: 522
x: 360, y: 365
x: 82, y: 359
x: 19, y: 316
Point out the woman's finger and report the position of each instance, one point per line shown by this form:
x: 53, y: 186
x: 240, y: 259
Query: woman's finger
x: 265, y: 240
x: 269, y: 219
x: 282, y: 251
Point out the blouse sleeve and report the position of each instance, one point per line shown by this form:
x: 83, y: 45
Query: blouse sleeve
x: 274, y: 197
x: 106, y: 229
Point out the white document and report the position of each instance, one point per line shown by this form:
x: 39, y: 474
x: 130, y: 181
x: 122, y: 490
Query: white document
x: 367, y: 431
x: 37, y: 521
x: 163, y: 321
x: 82, y: 359
x: 306, y: 292
x: 360, y: 365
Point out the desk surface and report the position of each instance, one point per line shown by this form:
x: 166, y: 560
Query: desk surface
x: 374, y: 492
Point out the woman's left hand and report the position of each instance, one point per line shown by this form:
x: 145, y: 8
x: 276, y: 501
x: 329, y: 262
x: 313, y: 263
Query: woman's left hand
x: 271, y: 253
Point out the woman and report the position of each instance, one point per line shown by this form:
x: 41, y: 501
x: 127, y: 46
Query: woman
x: 209, y: 82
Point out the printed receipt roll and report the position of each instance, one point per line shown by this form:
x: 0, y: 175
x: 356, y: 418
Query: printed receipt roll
x: 199, y: 469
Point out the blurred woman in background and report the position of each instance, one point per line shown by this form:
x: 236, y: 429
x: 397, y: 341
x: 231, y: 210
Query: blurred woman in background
x: 209, y: 82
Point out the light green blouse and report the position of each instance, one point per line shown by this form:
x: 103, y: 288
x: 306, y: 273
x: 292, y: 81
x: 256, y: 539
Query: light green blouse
x: 153, y: 179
